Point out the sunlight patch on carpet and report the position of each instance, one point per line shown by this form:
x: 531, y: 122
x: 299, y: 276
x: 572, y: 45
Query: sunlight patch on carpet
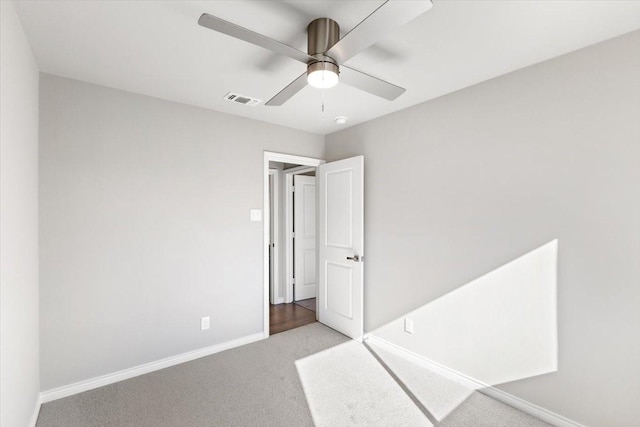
x: 345, y: 385
x: 439, y: 395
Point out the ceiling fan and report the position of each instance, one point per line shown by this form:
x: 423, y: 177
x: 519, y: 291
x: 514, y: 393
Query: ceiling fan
x: 327, y: 52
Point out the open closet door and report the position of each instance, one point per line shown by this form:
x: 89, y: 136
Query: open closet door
x: 341, y: 245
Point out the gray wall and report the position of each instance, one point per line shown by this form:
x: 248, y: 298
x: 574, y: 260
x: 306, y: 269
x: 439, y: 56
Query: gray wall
x: 19, y: 364
x: 145, y: 227
x: 463, y: 184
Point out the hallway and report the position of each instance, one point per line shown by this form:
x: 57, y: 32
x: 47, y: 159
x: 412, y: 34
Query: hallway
x: 283, y: 317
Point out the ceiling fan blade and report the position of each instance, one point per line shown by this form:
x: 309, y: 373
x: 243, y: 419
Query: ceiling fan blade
x: 292, y: 88
x: 220, y: 25
x: 370, y: 84
x: 389, y: 16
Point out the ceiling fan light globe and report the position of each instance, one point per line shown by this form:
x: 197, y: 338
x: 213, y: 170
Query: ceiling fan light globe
x: 322, y: 75
x: 322, y: 79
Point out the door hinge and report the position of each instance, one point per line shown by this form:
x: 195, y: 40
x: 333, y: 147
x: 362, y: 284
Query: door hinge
x: 293, y: 234
x: 293, y: 188
x: 293, y: 281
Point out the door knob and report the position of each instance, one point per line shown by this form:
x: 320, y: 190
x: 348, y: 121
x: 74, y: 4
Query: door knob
x: 355, y: 258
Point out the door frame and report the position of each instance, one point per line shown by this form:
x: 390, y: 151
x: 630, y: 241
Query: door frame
x: 275, y: 196
x: 270, y: 156
x: 288, y: 223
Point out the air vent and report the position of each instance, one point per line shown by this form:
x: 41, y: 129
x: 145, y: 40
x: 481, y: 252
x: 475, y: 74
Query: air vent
x: 241, y: 99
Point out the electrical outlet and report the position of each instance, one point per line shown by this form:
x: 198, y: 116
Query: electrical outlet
x: 408, y: 325
x: 204, y: 323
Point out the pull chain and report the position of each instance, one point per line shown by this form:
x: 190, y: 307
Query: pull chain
x: 323, y: 90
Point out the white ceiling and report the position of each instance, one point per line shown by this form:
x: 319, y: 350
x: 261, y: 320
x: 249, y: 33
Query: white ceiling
x: 156, y: 48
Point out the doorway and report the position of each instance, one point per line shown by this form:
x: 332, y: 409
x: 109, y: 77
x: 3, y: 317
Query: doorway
x: 335, y: 260
x: 292, y: 246
x: 290, y: 304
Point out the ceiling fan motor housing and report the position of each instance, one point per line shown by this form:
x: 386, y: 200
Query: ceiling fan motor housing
x: 322, y: 34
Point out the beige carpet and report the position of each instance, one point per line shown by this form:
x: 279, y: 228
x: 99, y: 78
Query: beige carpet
x: 253, y: 385
x: 345, y: 385
x: 306, y: 376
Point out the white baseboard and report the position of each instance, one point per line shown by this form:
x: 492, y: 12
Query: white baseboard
x: 36, y: 412
x: 278, y: 301
x: 90, y: 384
x: 495, y: 393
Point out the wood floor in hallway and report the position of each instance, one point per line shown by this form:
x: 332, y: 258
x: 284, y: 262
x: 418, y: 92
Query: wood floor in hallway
x: 283, y: 317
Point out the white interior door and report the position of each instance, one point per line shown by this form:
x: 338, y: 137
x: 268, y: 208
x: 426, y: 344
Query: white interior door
x: 341, y: 245
x: 304, y: 241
